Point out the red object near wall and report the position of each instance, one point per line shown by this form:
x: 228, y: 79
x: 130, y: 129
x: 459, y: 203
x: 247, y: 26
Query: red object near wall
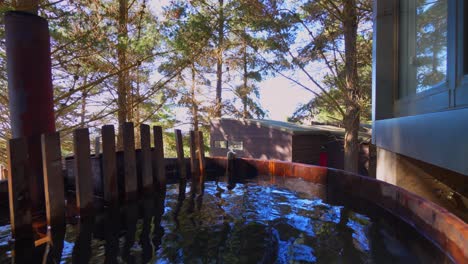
x: 323, y: 159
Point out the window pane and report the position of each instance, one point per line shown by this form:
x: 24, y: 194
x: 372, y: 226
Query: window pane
x: 222, y: 144
x: 236, y: 145
x: 423, y: 45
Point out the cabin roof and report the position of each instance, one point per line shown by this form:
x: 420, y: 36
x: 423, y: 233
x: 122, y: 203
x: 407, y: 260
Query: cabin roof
x: 296, y: 129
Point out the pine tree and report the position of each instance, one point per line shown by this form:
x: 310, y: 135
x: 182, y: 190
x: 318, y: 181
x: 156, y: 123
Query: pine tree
x: 333, y: 30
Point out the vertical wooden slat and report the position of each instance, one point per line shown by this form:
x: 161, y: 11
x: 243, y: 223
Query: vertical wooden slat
x: 82, y: 165
x: 54, y: 188
x: 146, y: 166
x: 230, y: 169
x: 193, y: 161
x: 159, y: 170
x: 109, y: 165
x: 181, y: 163
x: 201, y: 159
x: 18, y: 191
x: 130, y: 172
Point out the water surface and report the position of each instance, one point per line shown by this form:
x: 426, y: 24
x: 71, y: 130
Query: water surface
x: 253, y: 223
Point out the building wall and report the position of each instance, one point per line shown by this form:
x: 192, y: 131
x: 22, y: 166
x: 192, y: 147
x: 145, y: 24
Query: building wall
x: 443, y: 187
x: 307, y: 148
x: 258, y: 142
x: 261, y: 142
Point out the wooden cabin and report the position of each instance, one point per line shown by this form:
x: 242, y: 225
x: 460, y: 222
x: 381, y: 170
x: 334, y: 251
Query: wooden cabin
x: 275, y: 140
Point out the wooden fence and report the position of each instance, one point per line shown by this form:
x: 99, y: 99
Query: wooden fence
x: 122, y: 175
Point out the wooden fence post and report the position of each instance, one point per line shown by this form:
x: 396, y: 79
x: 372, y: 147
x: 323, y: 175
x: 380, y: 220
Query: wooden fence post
x: 201, y: 160
x: 83, y: 176
x: 146, y: 166
x: 130, y: 173
x: 54, y: 188
x: 159, y: 170
x: 19, y: 193
x: 181, y: 163
x: 193, y: 162
x: 109, y: 164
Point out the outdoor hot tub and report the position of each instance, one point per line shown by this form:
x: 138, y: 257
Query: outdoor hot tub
x: 407, y: 212
x: 277, y: 212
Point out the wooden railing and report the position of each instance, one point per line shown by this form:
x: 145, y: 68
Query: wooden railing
x: 150, y: 177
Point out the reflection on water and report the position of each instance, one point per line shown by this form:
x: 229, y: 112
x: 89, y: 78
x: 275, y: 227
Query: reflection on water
x: 253, y: 223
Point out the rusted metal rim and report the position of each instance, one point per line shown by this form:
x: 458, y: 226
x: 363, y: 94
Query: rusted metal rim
x: 437, y: 224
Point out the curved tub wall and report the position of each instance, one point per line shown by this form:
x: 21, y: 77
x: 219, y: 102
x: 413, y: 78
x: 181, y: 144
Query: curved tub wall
x: 434, y: 222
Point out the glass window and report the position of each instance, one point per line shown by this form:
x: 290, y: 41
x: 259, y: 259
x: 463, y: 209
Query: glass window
x: 220, y: 144
x: 423, y: 45
x: 236, y: 145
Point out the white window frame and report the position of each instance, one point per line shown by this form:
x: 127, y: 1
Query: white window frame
x: 430, y: 126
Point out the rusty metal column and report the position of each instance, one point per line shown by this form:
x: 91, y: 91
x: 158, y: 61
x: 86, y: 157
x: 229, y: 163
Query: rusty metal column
x: 30, y: 89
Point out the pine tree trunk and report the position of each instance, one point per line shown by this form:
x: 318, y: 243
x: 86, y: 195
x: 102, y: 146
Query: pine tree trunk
x: 136, y: 117
x: 122, y: 111
x: 194, y: 101
x: 351, y: 147
x: 219, y: 64
x: 83, y: 109
x: 244, y: 95
x: 352, y: 116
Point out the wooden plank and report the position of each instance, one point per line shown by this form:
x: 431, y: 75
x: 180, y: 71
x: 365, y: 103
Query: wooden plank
x: 230, y: 169
x: 159, y: 170
x: 201, y: 159
x: 109, y: 165
x: 130, y: 170
x: 82, y: 168
x: 181, y: 163
x: 54, y: 188
x: 194, y: 172
x: 146, y: 166
x: 19, y: 193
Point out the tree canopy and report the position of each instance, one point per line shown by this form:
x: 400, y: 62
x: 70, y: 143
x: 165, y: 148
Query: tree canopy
x: 118, y: 61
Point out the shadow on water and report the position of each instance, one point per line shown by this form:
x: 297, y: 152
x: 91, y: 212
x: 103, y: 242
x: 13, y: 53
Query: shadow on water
x: 82, y: 249
x: 252, y: 223
x: 24, y: 252
x: 131, y: 218
x: 55, y: 244
x: 111, y: 230
x: 145, y: 238
x: 158, y: 213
